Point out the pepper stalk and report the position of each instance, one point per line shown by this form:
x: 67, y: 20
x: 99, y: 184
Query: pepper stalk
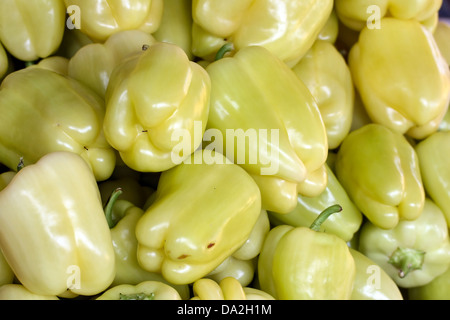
x: 137, y: 296
x: 323, y: 216
x: 292, y: 256
x: 227, y: 47
x: 109, y: 207
x: 407, y: 260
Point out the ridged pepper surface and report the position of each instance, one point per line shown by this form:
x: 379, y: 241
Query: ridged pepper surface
x: 53, y: 232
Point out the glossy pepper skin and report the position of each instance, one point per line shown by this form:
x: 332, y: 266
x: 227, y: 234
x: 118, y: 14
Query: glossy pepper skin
x: 93, y: 63
x: 32, y: 29
x: 287, y: 28
x: 146, y: 290
x: 53, y: 231
x: 330, y: 30
x: 14, y: 291
x: 437, y: 289
x: 273, y: 107
x: 433, y: 153
x: 242, y: 270
x: 56, y: 64
x: 343, y: 224
x: 242, y: 264
x: 201, y: 215
x: 42, y: 111
x: 414, y: 252
x: 102, y: 18
x: 408, y: 89
x: 371, y: 281
x: 176, y: 25
x: 442, y: 37
x: 326, y: 74
x: 380, y: 171
x: 122, y: 217
x: 357, y: 14
x: 299, y: 263
x: 6, y: 273
x: 157, y: 106
x: 227, y: 289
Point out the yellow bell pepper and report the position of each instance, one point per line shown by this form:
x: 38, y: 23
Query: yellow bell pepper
x: 379, y: 169
x: 93, y: 63
x: 330, y: 30
x: 343, y: 224
x: 371, y: 281
x: 286, y: 28
x: 301, y: 263
x: 414, y: 252
x: 267, y: 121
x: 53, y: 231
x: 401, y: 76
x: 433, y: 153
x: 442, y: 37
x: 437, y: 289
x: 252, y: 246
x: 227, y: 289
x: 357, y: 14
x: 176, y: 25
x: 6, y: 273
x: 242, y: 264
x: 154, y: 100
x: 14, y: 291
x: 43, y: 111
x: 257, y: 294
x: 326, y: 74
x: 99, y: 19
x: 242, y: 270
x: 122, y: 217
x: 146, y: 290
x: 32, y: 29
x: 56, y: 64
x: 201, y: 215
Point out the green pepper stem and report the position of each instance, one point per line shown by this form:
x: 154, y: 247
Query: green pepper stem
x: 227, y: 47
x: 30, y: 63
x: 407, y: 260
x: 137, y: 296
x: 109, y: 206
x: 317, y: 223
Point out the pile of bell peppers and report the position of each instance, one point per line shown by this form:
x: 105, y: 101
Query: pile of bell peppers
x: 224, y: 150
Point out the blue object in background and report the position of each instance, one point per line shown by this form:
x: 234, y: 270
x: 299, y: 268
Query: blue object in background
x: 445, y: 9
